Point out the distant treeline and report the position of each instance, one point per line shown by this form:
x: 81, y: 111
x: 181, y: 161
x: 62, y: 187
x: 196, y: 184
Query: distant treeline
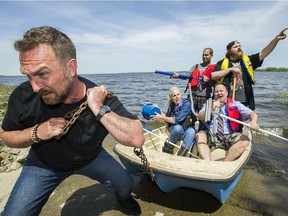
x: 273, y: 69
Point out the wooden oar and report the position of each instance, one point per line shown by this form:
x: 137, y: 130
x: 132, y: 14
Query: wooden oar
x: 248, y: 125
x: 234, y: 87
x: 164, y: 139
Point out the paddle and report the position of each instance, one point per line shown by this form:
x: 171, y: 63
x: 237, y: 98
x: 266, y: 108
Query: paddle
x: 181, y: 76
x: 248, y: 125
x: 165, y: 139
x: 234, y: 87
x: 196, y: 124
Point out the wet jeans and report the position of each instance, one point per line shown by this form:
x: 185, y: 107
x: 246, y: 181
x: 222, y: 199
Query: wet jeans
x: 37, y: 181
x: 177, y: 133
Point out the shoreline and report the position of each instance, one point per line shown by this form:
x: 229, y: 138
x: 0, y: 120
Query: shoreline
x: 255, y: 194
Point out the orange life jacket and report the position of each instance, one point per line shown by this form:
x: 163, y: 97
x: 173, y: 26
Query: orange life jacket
x: 233, y: 112
x: 195, y: 76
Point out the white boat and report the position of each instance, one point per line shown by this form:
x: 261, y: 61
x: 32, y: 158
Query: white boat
x: 171, y: 172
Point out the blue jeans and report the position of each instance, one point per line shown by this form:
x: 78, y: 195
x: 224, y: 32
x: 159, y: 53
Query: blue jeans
x: 177, y: 133
x: 37, y: 181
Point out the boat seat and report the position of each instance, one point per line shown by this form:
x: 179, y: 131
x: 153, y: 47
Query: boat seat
x: 218, y: 154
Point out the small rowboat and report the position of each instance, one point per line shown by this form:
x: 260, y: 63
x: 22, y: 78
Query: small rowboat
x: 171, y: 172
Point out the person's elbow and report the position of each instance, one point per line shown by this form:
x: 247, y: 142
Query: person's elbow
x: 138, y: 142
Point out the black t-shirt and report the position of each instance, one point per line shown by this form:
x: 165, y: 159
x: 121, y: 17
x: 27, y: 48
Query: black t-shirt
x: 75, y: 149
x: 255, y: 61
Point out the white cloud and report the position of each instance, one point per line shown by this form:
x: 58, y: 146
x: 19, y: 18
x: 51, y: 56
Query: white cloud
x: 143, y: 36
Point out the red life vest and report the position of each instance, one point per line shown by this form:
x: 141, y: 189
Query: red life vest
x: 233, y: 112
x: 195, y: 76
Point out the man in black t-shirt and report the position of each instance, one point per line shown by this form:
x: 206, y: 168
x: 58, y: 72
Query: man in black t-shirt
x: 237, y: 70
x: 64, y: 118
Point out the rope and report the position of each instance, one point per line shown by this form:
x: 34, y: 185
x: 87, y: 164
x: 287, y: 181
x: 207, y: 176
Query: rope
x: 164, y: 139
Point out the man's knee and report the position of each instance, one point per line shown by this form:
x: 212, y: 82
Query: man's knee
x: 243, y: 141
x: 22, y: 207
x: 244, y: 144
x: 177, y: 129
x: 201, y: 138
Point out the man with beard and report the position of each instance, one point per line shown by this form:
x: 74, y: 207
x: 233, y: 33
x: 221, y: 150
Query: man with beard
x: 228, y: 136
x: 239, y: 68
x: 64, y: 118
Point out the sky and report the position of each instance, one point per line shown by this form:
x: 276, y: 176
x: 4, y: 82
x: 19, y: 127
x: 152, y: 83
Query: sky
x: 144, y: 36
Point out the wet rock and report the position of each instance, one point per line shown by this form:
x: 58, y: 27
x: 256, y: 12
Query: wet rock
x: 4, y: 155
x: 23, y: 155
x: 15, y: 165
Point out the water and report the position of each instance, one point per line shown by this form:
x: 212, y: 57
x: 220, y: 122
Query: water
x: 269, y: 154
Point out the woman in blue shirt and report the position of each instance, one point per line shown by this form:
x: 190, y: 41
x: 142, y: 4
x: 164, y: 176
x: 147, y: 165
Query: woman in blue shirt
x: 180, y: 121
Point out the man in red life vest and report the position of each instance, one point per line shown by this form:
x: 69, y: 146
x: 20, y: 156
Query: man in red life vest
x: 232, y: 140
x: 200, y: 80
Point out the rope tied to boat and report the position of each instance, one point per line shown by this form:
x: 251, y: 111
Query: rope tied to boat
x: 140, y: 153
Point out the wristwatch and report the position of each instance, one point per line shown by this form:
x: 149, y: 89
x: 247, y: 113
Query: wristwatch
x: 104, y: 109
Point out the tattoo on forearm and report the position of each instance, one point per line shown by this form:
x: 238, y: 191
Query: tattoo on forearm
x: 118, y: 125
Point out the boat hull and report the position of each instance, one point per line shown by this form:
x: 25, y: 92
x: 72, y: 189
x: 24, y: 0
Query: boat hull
x: 171, y: 172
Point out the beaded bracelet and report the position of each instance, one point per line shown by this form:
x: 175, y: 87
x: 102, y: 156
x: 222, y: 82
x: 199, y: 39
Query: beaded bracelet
x: 34, y: 136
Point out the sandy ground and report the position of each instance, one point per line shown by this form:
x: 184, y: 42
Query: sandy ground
x: 7, y: 181
x: 255, y: 194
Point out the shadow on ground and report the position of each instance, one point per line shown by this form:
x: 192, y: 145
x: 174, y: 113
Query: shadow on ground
x: 97, y: 198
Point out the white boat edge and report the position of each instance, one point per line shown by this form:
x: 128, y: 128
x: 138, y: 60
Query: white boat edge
x: 216, y: 177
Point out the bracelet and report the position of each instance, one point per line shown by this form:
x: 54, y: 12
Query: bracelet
x: 34, y: 136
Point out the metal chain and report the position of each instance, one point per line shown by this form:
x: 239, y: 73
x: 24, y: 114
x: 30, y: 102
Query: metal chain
x: 73, y: 115
x: 146, y: 164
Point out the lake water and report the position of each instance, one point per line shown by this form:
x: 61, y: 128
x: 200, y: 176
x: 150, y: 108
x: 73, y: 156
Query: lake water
x: 269, y: 153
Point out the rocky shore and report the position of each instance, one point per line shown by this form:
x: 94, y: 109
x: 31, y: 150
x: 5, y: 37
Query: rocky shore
x: 11, y: 159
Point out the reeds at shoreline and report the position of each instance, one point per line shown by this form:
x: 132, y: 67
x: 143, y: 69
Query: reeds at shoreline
x: 5, y: 92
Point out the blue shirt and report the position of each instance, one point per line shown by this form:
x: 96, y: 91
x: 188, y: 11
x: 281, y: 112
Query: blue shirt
x: 181, y: 111
x: 244, y: 112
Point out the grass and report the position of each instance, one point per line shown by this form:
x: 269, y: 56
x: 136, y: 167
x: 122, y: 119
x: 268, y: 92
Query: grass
x: 283, y: 97
x: 5, y: 92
